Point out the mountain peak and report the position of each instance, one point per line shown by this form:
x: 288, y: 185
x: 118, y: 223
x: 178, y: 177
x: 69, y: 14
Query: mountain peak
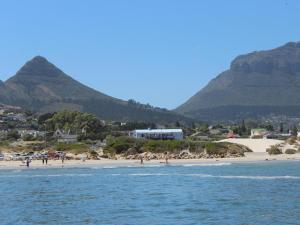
x: 39, y: 58
x: 39, y: 66
x: 284, y: 58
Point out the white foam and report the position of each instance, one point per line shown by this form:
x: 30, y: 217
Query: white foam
x: 110, y: 167
x: 48, y: 175
x: 215, y: 176
x: 206, y: 164
x: 149, y: 174
x: 150, y: 166
x: 260, y: 177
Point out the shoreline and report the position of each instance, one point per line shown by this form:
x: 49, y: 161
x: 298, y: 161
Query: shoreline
x: 108, y: 163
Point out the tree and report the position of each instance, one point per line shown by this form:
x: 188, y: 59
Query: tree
x: 269, y: 127
x: 13, y: 135
x: 85, y: 124
x: 281, y: 128
x: 294, y: 131
x: 243, y: 127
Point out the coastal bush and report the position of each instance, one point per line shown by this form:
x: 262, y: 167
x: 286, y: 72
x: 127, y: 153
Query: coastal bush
x: 213, y: 148
x: 4, y: 143
x: 291, y: 140
x: 118, y: 145
x: 94, y: 154
x: 28, y: 137
x: 274, y: 150
x: 196, y: 146
x: 130, y: 146
x: 75, y: 148
x: 160, y: 146
x: 13, y: 135
x: 290, y: 151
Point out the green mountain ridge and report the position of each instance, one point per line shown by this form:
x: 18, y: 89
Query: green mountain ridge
x: 40, y: 86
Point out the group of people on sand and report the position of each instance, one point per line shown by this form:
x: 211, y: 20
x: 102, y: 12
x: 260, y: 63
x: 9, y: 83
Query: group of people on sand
x: 44, y: 159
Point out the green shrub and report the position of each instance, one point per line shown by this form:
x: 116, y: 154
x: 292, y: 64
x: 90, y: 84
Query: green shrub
x: 28, y: 137
x: 13, y: 135
x: 215, y: 148
x: 274, y: 150
x: 196, y: 146
x: 75, y: 148
x: 290, y: 151
x: 291, y: 140
x: 163, y: 146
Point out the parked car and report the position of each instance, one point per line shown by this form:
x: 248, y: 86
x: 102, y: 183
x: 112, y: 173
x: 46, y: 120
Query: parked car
x: 1, y: 156
x: 16, y: 156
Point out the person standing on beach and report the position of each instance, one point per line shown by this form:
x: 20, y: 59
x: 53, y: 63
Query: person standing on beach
x: 142, y: 160
x: 43, y: 159
x: 63, y: 158
x: 28, y: 161
x: 166, y: 157
x: 46, y: 159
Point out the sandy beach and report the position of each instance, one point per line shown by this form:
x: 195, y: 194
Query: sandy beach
x: 256, y: 145
x: 107, y: 163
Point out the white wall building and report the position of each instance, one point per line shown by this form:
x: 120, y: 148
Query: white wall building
x: 158, y: 134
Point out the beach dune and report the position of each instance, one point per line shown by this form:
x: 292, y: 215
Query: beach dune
x: 256, y: 145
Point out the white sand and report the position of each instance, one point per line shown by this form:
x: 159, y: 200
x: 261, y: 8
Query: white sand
x: 256, y: 145
x: 250, y: 157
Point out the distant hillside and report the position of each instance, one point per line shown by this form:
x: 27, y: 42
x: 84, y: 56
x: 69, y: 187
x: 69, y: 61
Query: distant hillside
x: 40, y: 86
x: 257, y: 84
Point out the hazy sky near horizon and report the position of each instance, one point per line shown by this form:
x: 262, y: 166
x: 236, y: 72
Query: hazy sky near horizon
x: 154, y: 51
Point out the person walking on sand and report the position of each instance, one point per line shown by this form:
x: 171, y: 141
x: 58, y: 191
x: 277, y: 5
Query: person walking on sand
x: 28, y: 161
x: 142, y: 160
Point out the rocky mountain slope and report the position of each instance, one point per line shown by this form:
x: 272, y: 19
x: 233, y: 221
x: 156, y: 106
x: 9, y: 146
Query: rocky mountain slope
x: 257, y: 84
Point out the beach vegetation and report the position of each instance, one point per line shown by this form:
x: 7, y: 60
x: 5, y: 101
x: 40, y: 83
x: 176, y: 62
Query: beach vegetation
x: 86, y: 125
x: 274, y: 150
x: 292, y: 140
x: 290, y: 151
x: 75, y: 148
x: 13, y: 135
x: 128, y: 145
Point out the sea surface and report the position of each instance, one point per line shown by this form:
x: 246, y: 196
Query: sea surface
x: 222, y: 193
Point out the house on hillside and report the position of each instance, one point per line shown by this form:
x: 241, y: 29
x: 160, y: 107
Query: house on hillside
x: 158, y: 134
x: 278, y: 136
x: 65, y: 137
x: 33, y: 133
x: 258, y: 133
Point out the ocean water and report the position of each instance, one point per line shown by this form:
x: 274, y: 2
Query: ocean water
x: 224, y: 193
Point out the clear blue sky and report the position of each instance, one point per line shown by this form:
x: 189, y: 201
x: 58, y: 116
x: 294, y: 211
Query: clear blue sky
x: 154, y: 51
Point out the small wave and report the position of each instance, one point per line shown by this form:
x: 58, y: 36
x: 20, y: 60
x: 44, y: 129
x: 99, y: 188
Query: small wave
x: 110, y: 167
x: 16, y: 171
x: 150, y: 174
x: 48, y: 175
x: 150, y: 166
x: 261, y: 177
x: 206, y: 164
x: 215, y: 176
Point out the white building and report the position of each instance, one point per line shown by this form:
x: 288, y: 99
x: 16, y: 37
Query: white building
x: 158, y: 134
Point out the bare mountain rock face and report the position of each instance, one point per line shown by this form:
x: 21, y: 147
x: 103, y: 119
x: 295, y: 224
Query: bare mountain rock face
x: 257, y: 84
